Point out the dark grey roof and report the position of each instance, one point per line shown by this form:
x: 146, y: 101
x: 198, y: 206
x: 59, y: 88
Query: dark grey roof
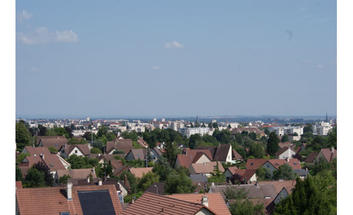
x: 301, y: 172
x: 198, y: 178
x: 96, y: 202
x: 253, y: 191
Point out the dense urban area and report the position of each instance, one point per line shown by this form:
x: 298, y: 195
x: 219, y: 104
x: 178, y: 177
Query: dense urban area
x: 178, y: 166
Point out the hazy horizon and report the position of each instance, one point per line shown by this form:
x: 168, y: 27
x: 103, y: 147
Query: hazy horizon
x: 176, y: 58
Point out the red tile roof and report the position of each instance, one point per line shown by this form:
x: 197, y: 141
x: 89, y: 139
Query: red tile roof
x: 255, y: 163
x: 244, y: 175
x: 123, y: 145
x: 139, y: 172
x: 206, y: 168
x: 216, y: 202
x: 151, y: 204
x: 52, y: 141
x: 52, y: 200
x: 328, y: 154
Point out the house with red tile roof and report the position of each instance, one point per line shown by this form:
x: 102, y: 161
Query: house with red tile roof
x: 272, y: 165
x: 213, y: 201
x: 151, y: 204
x: 52, y: 141
x: 240, y: 176
x: 75, y: 149
x: 74, y: 200
x: 41, y: 154
x: 329, y: 154
x: 118, y: 166
x: 120, y: 146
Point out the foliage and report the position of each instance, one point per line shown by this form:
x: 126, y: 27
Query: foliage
x: 23, y: 136
x: 134, y: 196
x: 256, y: 150
x: 104, y: 170
x: 75, y: 141
x: 263, y: 174
x: 135, y: 145
x: 52, y: 150
x: 162, y: 168
x: 21, y: 157
x: 285, y: 138
x: 130, y: 135
x: 272, y: 144
x: 178, y: 182
x: 96, y: 151
x: 245, y: 207
x: 34, y: 178
x: 284, y: 172
x: 63, y: 179
x: 171, y: 151
x: 314, y: 195
x: 223, y: 136
x: 217, y: 176
x: 132, y: 180
x: 18, y: 174
x: 80, y: 162
x: 48, y: 178
x: 147, y: 180
x: 252, y: 136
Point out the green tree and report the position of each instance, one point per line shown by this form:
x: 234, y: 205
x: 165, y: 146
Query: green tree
x: 147, y: 180
x: 245, y: 207
x: 171, y: 151
x: 162, y: 168
x: 63, y: 179
x: 18, y: 174
x: 272, y: 144
x: 311, y: 196
x: 34, y: 178
x: 284, y: 172
x: 96, y: 151
x: 178, y: 183
x: 256, y: 150
x: 23, y: 136
x: 52, y: 150
x: 48, y: 178
x: 285, y: 138
x: 252, y: 135
x: 263, y: 174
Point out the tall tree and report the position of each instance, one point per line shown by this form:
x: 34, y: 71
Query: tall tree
x: 272, y: 144
x: 23, y: 136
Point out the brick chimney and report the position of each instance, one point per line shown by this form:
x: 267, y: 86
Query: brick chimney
x: 69, y: 190
x: 204, y: 200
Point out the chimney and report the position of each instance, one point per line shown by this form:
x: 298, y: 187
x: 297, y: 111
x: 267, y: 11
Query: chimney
x: 332, y: 149
x: 42, y: 155
x: 88, y: 179
x: 69, y: 190
x: 204, y: 200
x: 100, y: 182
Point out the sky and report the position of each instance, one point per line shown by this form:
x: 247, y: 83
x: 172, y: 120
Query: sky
x: 175, y: 58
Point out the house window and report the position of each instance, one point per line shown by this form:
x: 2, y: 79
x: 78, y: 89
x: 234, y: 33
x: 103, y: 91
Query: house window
x: 76, y: 151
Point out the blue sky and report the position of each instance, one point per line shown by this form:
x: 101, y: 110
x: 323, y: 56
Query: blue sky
x: 175, y: 58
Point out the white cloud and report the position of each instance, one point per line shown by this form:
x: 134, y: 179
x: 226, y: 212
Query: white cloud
x: 43, y: 36
x: 67, y: 36
x: 173, y: 44
x: 156, y: 67
x: 24, y: 15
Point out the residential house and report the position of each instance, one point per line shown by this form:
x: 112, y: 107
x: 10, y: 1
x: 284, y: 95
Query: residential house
x: 136, y: 154
x: 242, y: 176
x: 191, y: 156
x: 272, y: 165
x: 80, y: 200
x: 213, y: 201
x: 285, y: 153
x: 157, y: 187
x: 76, y: 149
x: 52, y: 141
x: 41, y: 154
x: 327, y: 154
x: 118, y: 166
x: 119, y: 146
x: 268, y: 193
x: 151, y: 204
